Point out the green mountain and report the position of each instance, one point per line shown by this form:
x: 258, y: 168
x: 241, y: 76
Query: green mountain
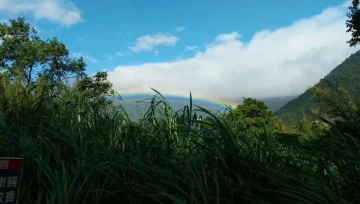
x: 346, y: 75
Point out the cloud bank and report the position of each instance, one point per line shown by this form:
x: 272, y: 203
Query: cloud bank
x: 60, y: 11
x: 281, y: 62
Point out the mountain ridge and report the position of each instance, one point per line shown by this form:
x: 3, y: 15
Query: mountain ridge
x: 345, y: 75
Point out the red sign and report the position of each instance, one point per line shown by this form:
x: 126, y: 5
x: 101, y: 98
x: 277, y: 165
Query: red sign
x: 10, y: 174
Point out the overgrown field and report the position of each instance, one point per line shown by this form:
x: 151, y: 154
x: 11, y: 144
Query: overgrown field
x: 94, y: 154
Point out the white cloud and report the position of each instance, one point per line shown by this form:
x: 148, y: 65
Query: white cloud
x: 87, y: 58
x: 148, y: 42
x: 120, y: 54
x: 60, y: 11
x: 179, y: 29
x: 191, y: 47
x: 281, y: 62
x: 156, y: 53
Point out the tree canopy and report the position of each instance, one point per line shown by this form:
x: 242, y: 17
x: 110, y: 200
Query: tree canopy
x: 250, y: 115
x: 25, y: 57
x: 353, y: 23
x: 33, y: 70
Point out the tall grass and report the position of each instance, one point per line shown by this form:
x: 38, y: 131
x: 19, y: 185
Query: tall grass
x: 81, y: 152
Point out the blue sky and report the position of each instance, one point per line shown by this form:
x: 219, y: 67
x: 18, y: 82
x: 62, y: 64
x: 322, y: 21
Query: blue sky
x: 157, y: 43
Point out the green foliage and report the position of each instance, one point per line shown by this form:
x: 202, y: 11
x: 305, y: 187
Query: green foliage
x: 277, y: 124
x: 32, y: 71
x: 318, y: 128
x: 25, y: 57
x: 353, y: 23
x: 345, y: 75
x: 344, y: 109
x: 304, y: 126
x: 96, y: 88
x: 251, y: 115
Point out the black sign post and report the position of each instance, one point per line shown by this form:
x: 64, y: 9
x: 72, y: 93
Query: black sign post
x: 10, y: 174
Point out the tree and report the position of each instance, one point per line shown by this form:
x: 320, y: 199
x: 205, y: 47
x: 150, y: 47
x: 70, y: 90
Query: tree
x: 304, y: 126
x: 252, y: 115
x: 95, y: 88
x: 343, y: 107
x: 252, y: 108
x: 25, y: 57
x: 277, y: 124
x: 353, y: 23
x: 32, y: 70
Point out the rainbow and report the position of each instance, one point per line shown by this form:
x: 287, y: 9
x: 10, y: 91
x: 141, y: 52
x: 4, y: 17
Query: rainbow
x: 171, y: 94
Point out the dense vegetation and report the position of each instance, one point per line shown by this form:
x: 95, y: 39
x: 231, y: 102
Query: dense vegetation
x: 80, y: 147
x: 346, y: 75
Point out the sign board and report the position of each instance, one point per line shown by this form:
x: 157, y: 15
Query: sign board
x: 10, y: 174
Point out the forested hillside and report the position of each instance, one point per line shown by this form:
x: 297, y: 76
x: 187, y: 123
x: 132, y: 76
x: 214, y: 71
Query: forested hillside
x: 346, y: 75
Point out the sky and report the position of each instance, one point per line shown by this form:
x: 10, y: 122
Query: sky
x: 215, y: 48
